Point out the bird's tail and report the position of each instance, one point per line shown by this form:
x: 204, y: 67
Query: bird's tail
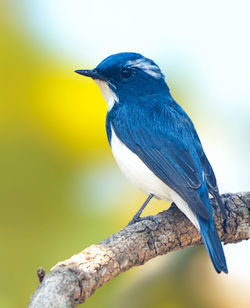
x: 213, y: 244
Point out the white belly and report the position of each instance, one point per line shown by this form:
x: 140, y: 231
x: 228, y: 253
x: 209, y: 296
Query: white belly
x: 141, y: 176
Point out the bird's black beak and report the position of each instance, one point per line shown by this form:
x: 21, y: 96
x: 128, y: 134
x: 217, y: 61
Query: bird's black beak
x: 90, y: 73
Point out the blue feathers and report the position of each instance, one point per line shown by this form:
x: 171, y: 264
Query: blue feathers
x: 210, y: 235
x: 213, y: 245
x: 155, y: 132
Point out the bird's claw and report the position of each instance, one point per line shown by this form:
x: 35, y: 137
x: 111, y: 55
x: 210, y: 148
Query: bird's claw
x: 137, y: 219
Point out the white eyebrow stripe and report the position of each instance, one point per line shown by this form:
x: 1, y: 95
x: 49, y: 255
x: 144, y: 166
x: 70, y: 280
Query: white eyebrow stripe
x: 147, y: 67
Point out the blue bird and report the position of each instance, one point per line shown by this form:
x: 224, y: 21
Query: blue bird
x: 156, y: 145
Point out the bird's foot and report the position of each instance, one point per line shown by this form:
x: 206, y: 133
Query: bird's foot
x: 138, y: 218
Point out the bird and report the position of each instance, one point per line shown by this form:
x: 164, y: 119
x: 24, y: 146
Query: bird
x: 155, y: 143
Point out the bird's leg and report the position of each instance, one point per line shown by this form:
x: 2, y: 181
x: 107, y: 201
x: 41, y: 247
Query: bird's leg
x: 138, y: 217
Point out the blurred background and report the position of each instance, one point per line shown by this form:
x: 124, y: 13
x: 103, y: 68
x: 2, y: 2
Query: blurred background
x: 60, y: 187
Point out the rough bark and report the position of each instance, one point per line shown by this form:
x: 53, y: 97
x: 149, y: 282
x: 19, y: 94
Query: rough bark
x: 72, y: 281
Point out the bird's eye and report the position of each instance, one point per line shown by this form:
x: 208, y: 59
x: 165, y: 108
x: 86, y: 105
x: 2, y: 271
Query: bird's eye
x: 126, y: 73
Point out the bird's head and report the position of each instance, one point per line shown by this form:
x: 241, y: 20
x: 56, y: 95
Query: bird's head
x: 124, y: 75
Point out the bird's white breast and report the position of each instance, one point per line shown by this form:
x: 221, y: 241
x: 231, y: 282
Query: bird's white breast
x: 141, y: 176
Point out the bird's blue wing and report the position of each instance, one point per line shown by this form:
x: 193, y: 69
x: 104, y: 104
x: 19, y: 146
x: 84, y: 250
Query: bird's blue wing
x: 209, y: 174
x: 162, y: 137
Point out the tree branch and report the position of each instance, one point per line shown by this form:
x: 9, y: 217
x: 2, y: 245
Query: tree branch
x: 72, y: 281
